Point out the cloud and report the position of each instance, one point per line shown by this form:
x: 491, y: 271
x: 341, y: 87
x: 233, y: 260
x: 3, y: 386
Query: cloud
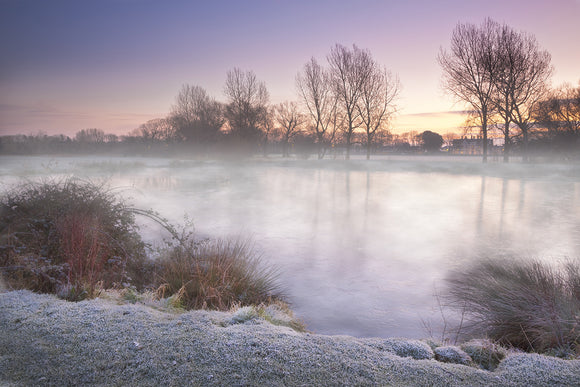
x: 23, y: 119
x: 439, y: 114
x: 440, y: 122
x: 39, y: 111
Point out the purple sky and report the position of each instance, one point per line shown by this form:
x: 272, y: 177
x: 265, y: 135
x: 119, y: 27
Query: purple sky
x: 66, y: 65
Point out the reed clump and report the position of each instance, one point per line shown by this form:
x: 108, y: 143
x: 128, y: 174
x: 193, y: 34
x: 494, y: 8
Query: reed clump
x: 216, y: 274
x: 526, y: 304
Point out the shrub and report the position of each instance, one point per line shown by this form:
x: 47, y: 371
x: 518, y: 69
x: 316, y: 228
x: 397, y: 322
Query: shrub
x: 216, y: 274
x: 69, y: 237
x: 526, y: 304
x: 485, y: 353
x: 452, y: 354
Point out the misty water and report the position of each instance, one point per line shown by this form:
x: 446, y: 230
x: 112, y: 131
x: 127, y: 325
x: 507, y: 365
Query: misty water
x: 362, y: 246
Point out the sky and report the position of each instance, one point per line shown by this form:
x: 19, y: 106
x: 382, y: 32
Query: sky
x: 67, y: 65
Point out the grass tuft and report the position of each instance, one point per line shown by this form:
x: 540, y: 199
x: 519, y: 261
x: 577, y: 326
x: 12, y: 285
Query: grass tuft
x: 527, y: 304
x: 216, y: 274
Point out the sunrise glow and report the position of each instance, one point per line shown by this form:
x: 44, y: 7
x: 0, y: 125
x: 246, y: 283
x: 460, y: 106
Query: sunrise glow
x: 114, y: 65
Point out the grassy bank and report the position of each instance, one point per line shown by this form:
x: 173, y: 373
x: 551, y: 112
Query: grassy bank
x: 47, y: 341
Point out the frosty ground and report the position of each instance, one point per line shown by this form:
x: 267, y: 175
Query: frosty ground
x: 47, y: 341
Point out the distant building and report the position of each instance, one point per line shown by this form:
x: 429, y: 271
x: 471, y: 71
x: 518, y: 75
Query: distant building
x: 470, y: 146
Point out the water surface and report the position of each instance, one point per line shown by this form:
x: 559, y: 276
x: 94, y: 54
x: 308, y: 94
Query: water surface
x: 362, y: 246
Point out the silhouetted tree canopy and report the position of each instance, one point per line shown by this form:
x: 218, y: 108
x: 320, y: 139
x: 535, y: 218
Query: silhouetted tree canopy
x: 431, y: 141
x: 350, y: 69
x: 196, y: 117
x: 247, y: 105
x: 560, y: 111
x: 290, y: 121
x: 470, y: 67
x: 377, y: 103
x: 315, y: 89
x: 497, y: 71
x: 91, y: 135
x: 156, y: 130
x: 522, y: 80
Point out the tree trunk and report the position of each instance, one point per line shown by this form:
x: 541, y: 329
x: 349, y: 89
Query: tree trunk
x: 320, y: 144
x: 347, y: 157
x: 525, y: 157
x: 506, y: 142
x: 484, y: 130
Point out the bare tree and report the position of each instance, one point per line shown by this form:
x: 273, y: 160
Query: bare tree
x: 247, y: 104
x: 157, y: 130
x: 377, y: 103
x: 314, y: 87
x: 410, y: 137
x: 448, y: 137
x: 470, y: 67
x: 111, y: 138
x: 349, y: 71
x: 509, y: 53
x: 337, y: 120
x: 268, y: 128
x: 290, y: 122
x: 560, y: 112
x: 521, y: 82
x: 196, y: 116
x: 91, y: 135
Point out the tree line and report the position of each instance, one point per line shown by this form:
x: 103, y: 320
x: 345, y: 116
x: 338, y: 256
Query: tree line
x: 502, y: 75
x: 351, y: 99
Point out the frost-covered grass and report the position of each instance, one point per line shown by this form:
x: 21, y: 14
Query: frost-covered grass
x: 276, y: 313
x: 47, y: 341
x: 526, y: 304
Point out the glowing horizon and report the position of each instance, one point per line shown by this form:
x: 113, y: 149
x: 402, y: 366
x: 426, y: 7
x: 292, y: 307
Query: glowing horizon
x: 113, y: 65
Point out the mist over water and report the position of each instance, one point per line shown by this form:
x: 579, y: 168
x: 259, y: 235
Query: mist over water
x: 361, y: 246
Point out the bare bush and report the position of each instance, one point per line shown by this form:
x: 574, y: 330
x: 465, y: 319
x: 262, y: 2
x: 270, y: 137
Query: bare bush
x: 68, y: 237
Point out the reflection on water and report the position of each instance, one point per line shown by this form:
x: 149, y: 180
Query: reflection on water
x: 361, y: 245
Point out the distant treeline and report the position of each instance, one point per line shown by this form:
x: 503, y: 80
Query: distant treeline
x: 554, y: 141
x: 141, y: 143
x: 346, y: 105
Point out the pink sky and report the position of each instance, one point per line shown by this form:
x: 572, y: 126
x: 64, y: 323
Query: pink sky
x: 114, y: 64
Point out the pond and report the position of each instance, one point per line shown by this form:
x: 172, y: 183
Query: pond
x: 363, y: 246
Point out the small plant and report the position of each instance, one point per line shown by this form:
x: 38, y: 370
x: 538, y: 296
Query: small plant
x: 243, y: 314
x: 452, y: 354
x: 68, y: 237
x: 276, y: 313
x: 485, y: 353
x: 525, y: 304
x: 215, y: 274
